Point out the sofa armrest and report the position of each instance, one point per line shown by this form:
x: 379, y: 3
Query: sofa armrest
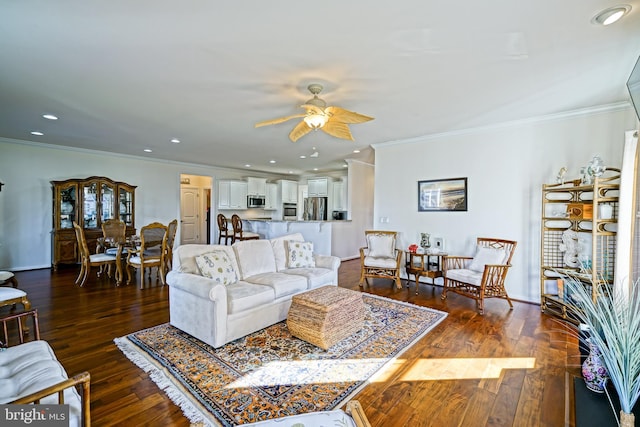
x: 197, y: 285
x: 327, y: 261
x: 80, y: 381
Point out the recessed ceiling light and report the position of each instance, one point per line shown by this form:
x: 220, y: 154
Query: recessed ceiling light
x: 303, y: 157
x: 290, y: 172
x: 37, y: 133
x: 611, y: 15
x: 247, y: 166
x: 272, y: 161
x: 175, y: 141
x: 356, y: 151
x: 315, y: 169
x: 345, y: 165
x: 148, y: 150
x: 50, y: 117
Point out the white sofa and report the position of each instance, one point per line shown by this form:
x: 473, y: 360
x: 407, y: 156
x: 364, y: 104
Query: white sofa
x: 250, y: 292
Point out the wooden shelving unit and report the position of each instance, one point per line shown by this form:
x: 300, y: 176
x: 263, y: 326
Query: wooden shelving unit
x: 577, y: 207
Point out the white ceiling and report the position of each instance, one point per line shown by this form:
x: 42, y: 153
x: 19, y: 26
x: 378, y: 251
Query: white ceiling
x: 124, y: 75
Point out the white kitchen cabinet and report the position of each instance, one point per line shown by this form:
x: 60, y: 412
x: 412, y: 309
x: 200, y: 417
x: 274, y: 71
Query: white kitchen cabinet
x: 232, y: 194
x: 289, y: 191
x: 271, y: 198
x: 256, y: 186
x: 340, y: 196
x: 318, y: 187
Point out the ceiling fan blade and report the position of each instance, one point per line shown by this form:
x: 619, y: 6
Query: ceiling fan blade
x: 346, y: 116
x: 280, y: 120
x: 337, y: 129
x: 299, y: 131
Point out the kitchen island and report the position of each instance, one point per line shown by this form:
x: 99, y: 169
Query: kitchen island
x: 318, y: 232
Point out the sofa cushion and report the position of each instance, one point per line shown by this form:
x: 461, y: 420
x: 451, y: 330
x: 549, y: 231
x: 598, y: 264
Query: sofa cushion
x: 283, y: 284
x: 243, y: 296
x: 316, y: 277
x: 336, y: 417
x: 254, y: 257
x: 485, y: 255
x: 300, y: 254
x: 370, y: 261
x: 217, y: 266
x: 465, y: 276
x: 381, y: 245
x: 184, y: 257
x: 279, y: 245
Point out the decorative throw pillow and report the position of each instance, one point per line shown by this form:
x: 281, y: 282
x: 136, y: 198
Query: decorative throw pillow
x: 381, y: 245
x: 300, y: 254
x: 216, y: 265
x: 486, y: 256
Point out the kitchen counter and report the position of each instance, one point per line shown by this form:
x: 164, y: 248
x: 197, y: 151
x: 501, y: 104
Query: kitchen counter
x: 318, y: 232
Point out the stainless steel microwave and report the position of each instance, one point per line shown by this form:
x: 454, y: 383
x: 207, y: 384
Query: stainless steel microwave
x: 255, y: 201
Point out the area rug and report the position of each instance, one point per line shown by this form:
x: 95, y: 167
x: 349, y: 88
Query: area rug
x: 271, y: 374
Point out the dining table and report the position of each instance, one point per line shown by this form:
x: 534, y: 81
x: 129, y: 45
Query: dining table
x: 120, y: 248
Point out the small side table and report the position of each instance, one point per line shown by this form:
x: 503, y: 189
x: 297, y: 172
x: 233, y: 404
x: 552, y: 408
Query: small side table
x: 427, y: 265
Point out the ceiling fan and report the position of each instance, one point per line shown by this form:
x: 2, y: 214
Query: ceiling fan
x: 332, y: 120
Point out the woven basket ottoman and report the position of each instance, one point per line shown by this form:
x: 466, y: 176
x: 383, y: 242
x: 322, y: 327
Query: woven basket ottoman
x: 326, y: 315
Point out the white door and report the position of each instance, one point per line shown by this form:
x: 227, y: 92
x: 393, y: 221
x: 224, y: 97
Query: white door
x: 189, y: 215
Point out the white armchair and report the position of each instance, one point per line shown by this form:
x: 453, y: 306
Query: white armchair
x: 380, y: 258
x: 481, y: 276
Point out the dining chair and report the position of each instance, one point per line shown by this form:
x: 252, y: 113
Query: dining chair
x: 150, y: 253
x: 172, y: 228
x: 113, y: 235
x: 88, y: 260
x: 238, y: 233
x: 223, y: 229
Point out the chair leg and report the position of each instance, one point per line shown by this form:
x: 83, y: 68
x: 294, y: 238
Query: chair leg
x: 398, y: 282
x: 85, y: 276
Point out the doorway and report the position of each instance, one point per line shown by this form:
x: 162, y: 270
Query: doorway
x: 195, y: 207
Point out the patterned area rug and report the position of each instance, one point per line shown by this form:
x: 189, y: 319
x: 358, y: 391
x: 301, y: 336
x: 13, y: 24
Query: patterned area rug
x: 270, y: 374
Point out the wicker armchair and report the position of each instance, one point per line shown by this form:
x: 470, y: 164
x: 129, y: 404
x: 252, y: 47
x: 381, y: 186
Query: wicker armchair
x: 380, y: 258
x: 481, y: 276
x: 35, y: 375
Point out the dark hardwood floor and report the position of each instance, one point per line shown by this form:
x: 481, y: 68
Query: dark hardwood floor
x: 506, y: 368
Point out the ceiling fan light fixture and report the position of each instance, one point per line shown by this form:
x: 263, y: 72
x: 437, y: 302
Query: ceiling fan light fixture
x: 611, y: 15
x: 315, y: 121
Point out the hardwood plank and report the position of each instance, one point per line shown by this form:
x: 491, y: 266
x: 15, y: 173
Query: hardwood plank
x: 81, y: 323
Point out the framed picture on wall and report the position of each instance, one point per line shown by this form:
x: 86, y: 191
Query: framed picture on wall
x: 442, y: 195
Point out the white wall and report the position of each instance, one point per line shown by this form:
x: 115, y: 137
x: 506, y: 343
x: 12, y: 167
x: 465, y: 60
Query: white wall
x: 348, y: 236
x: 506, y: 167
x: 26, y: 198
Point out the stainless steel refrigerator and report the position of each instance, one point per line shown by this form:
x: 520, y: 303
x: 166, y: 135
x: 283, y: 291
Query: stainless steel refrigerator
x: 315, y: 209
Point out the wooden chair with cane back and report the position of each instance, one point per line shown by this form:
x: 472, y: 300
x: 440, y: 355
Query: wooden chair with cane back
x: 150, y: 253
x: 88, y: 260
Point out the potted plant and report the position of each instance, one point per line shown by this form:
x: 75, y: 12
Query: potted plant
x: 613, y: 322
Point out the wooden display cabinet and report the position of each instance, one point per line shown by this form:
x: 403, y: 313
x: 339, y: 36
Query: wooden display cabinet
x: 578, y: 207
x: 89, y: 202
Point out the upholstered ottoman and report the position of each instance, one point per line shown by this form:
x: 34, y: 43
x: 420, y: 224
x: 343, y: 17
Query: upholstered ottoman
x: 326, y: 315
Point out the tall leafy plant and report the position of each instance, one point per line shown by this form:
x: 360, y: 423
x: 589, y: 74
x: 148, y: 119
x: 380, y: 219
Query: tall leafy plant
x: 614, y: 324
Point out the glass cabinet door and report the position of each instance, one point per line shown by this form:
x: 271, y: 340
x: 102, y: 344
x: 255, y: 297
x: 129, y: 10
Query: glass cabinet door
x: 90, y: 204
x: 125, y: 204
x: 68, y: 208
x: 107, y: 194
